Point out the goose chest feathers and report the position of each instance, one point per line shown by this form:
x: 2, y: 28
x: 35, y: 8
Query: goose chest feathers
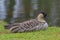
x: 34, y: 24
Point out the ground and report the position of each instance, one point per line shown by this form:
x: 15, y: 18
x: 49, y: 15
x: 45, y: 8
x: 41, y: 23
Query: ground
x: 52, y: 33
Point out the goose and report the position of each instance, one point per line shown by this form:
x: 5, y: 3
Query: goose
x: 38, y: 23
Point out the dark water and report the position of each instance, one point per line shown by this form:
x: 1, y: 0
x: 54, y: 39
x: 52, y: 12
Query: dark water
x: 20, y: 10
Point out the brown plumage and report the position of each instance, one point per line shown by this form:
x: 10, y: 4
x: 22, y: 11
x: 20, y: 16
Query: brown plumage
x: 34, y: 24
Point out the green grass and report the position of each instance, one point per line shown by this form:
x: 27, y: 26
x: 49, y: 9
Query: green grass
x: 52, y: 33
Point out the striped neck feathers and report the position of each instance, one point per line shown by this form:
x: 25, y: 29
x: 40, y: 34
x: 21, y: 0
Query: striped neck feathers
x: 40, y: 18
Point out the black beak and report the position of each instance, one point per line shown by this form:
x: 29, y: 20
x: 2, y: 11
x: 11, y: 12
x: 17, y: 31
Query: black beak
x: 46, y: 17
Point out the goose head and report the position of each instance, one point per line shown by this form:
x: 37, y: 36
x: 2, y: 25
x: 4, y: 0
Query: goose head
x: 41, y: 16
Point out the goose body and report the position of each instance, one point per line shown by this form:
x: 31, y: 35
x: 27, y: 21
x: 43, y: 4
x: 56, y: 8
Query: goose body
x: 34, y: 24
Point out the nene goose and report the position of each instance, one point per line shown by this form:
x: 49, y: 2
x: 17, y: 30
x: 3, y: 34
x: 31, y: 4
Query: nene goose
x: 34, y: 24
